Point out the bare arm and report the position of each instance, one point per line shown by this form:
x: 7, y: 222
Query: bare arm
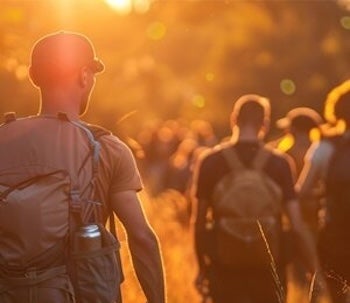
x: 303, y: 238
x: 307, y: 180
x: 143, y: 244
x: 200, y: 233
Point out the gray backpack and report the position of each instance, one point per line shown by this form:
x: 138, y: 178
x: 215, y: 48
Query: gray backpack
x: 48, y: 171
x: 247, y: 212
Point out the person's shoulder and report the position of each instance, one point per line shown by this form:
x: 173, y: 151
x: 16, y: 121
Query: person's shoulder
x: 216, y: 152
x: 275, y: 153
x: 210, y: 156
x: 97, y: 130
x: 278, y: 157
x: 106, y: 137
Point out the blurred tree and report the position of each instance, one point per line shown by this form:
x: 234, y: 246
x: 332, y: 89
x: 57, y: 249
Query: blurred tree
x: 186, y: 59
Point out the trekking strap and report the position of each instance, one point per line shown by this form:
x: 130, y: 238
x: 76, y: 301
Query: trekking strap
x: 94, y: 144
x: 232, y: 158
x: 34, y: 277
x: 24, y: 184
x: 76, y: 192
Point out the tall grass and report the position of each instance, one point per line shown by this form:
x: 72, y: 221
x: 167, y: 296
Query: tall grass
x: 167, y: 215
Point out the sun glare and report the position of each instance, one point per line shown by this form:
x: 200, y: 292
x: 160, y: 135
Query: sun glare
x: 126, y: 6
x: 122, y: 6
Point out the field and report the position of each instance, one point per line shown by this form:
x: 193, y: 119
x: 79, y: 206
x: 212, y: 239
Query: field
x: 167, y: 214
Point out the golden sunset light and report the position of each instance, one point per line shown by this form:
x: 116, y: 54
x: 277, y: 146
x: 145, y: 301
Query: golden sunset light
x: 163, y: 77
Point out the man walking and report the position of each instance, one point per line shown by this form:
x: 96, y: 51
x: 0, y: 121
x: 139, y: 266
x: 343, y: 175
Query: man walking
x: 63, y: 67
x: 241, y: 189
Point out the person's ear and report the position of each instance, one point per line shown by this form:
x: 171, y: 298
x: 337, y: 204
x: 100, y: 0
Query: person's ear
x: 267, y: 123
x: 83, y: 76
x: 264, y: 128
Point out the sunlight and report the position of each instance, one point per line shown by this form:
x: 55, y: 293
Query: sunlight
x: 122, y: 6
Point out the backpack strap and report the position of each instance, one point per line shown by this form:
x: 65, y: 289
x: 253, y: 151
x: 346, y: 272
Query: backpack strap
x: 260, y: 158
x: 90, y: 211
x: 98, y: 132
x: 232, y: 159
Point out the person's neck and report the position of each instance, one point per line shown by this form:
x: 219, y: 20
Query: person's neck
x: 57, y: 101
x: 302, y: 139
x: 248, y: 134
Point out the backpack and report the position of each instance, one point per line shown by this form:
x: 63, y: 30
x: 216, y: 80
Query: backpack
x: 338, y: 185
x: 48, y: 170
x: 247, y: 213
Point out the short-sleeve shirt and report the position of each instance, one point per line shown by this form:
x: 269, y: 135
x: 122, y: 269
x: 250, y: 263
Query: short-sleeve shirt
x: 117, y: 169
x: 319, y: 156
x: 214, y: 166
x: 44, y: 144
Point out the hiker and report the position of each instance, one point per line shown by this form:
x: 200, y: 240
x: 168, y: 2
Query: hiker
x: 329, y: 162
x: 298, y: 123
x: 241, y: 189
x: 302, y: 127
x: 37, y: 154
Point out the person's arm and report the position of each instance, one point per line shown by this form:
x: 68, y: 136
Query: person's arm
x: 143, y: 244
x: 314, y: 169
x: 302, y: 235
x: 200, y: 233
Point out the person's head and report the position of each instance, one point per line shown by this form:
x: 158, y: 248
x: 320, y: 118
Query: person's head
x: 337, y: 105
x: 65, y: 61
x: 251, y: 111
x: 300, y: 120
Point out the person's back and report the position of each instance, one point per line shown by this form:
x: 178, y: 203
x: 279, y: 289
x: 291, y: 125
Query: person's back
x: 302, y: 128
x: 55, y: 154
x: 242, y: 283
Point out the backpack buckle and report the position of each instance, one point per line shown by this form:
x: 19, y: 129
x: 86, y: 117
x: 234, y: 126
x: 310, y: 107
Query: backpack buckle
x: 10, y: 117
x: 75, y: 201
x: 31, y: 273
x: 62, y: 116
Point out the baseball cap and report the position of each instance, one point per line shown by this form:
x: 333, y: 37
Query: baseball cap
x: 57, y: 54
x: 303, y: 118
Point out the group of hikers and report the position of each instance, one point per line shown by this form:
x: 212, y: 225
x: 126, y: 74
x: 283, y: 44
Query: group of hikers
x: 257, y: 205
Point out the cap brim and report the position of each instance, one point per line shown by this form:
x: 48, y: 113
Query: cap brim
x: 97, y: 66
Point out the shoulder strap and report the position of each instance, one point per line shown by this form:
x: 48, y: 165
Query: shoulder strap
x: 90, y: 205
x: 232, y: 159
x: 260, y: 158
x: 94, y: 144
x: 97, y: 131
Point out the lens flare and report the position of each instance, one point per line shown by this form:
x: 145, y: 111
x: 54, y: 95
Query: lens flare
x: 122, y: 6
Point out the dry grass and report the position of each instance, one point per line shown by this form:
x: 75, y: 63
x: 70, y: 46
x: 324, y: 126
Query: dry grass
x: 167, y: 215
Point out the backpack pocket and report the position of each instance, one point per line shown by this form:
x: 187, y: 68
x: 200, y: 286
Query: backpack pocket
x: 97, y: 273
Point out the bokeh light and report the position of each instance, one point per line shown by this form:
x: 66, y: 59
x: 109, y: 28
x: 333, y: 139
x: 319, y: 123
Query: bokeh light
x: 156, y: 30
x: 198, y: 101
x: 345, y: 22
x: 288, y: 86
x: 209, y: 76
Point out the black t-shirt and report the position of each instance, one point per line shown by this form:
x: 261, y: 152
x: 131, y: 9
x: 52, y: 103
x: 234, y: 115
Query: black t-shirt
x: 215, y: 166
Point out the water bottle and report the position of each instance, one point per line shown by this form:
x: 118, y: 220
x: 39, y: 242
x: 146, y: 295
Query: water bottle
x: 88, y: 238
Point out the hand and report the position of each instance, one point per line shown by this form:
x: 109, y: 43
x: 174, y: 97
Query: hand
x: 202, y: 284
